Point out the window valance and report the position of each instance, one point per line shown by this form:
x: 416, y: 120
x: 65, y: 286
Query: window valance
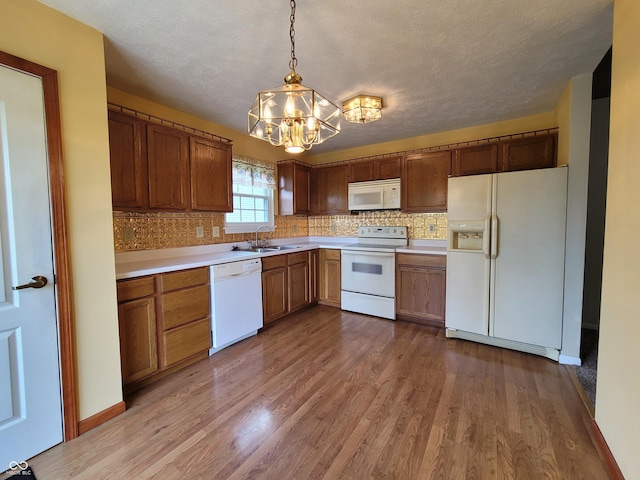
x: 252, y: 172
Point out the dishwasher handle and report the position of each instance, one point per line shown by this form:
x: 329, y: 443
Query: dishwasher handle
x: 235, y: 275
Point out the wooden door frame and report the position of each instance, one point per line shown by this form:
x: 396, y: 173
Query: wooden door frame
x: 59, y: 235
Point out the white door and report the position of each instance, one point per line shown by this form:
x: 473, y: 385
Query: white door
x: 30, y: 395
x: 529, y: 267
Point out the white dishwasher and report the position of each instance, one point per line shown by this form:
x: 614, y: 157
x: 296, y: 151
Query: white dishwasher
x: 236, y: 302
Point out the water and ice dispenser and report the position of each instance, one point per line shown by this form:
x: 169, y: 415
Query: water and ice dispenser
x: 468, y: 236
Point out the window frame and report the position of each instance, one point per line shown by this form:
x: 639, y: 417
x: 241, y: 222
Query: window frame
x: 251, y: 227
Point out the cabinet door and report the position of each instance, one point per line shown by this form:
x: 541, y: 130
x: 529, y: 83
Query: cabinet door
x: 330, y: 188
x: 475, y: 160
x: 420, y: 295
x: 420, y: 288
x: 210, y: 165
x: 138, y: 342
x: 298, y: 277
x: 186, y: 341
x: 275, y: 300
x: 128, y: 155
x: 294, y: 182
x: 330, y: 283
x: 361, y: 171
x: 424, y: 182
x: 528, y: 153
x: 386, y: 168
x: 168, y: 159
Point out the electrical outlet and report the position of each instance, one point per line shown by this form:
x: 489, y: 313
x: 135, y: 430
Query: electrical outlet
x: 294, y: 228
x: 216, y: 231
x: 199, y: 231
x: 432, y: 228
x: 128, y: 235
x: 334, y: 227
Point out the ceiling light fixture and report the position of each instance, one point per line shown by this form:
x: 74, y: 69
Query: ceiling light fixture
x: 293, y: 115
x: 362, y: 109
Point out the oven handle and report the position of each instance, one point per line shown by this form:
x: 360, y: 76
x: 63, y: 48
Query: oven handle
x: 368, y: 253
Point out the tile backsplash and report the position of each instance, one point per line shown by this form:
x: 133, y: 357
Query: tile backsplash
x: 148, y: 231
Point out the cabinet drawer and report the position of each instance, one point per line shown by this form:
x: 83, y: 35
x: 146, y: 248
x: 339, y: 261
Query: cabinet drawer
x: 185, y: 341
x: 420, y: 260
x: 184, y: 306
x: 184, y: 279
x: 136, y: 288
x: 298, y: 257
x: 276, y: 261
x: 331, y: 254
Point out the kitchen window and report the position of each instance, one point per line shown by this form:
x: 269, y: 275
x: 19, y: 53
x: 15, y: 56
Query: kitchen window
x: 253, y: 187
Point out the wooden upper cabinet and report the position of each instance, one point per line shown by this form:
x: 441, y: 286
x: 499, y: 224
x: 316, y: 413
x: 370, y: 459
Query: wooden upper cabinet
x: 378, y: 169
x: 527, y: 153
x: 294, y: 189
x: 168, y: 159
x: 386, y: 168
x: 475, y: 160
x: 330, y: 187
x: 127, y: 151
x: 361, y: 171
x: 161, y: 168
x: 210, y: 163
x: 424, y: 182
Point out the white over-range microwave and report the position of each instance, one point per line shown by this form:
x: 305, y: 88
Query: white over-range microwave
x: 375, y: 195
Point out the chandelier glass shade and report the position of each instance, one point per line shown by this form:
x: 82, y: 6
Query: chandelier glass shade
x: 292, y: 115
x: 362, y: 109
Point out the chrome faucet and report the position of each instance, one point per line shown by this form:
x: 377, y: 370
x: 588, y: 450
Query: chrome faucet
x: 257, y: 230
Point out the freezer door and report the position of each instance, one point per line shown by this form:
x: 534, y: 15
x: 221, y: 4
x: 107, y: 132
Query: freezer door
x: 467, y: 303
x: 469, y: 198
x: 528, y: 277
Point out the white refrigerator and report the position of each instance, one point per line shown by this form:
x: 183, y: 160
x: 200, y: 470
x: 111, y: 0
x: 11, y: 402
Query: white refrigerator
x: 505, y: 259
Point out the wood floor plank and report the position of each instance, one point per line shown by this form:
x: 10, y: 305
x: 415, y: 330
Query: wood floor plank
x: 326, y: 394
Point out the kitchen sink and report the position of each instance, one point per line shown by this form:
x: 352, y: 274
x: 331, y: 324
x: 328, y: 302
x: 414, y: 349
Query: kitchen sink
x: 273, y: 248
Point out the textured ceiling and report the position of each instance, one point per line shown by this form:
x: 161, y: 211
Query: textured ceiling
x: 439, y: 65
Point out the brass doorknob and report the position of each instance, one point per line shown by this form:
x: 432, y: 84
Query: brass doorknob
x: 36, y: 282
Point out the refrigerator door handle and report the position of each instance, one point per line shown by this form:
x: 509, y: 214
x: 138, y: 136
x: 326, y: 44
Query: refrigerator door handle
x: 486, y: 240
x: 494, y: 236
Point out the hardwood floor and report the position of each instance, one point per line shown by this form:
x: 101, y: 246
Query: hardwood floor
x: 326, y: 394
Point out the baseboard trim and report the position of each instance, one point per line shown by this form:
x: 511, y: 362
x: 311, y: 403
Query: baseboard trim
x: 568, y: 360
x: 583, y: 396
x: 612, y: 465
x: 99, y: 418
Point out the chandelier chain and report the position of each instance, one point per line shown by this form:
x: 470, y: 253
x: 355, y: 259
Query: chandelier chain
x: 292, y: 34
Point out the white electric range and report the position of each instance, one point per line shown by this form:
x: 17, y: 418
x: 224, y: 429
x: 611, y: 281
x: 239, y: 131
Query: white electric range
x: 368, y: 271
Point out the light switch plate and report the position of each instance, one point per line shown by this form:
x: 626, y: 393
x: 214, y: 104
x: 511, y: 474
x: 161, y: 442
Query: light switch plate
x: 216, y: 231
x: 199, y: 231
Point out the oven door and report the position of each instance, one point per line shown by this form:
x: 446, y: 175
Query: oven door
x: 367, y: 272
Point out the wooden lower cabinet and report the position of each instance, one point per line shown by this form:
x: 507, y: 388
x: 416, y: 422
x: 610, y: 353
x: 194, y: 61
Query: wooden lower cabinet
x: 165, y: 323
x: 138, y: 345
x: 287, y: 284
x: 298, y: 280
x: 420, y: 288
x: 275, y: 293
x: 329, y: 277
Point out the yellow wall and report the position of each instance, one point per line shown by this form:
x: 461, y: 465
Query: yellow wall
x: 45, y: 36
x: 618, y: 387
x: 478, y: 132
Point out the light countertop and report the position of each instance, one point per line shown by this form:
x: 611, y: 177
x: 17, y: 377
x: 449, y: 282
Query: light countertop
x: 148, y: 262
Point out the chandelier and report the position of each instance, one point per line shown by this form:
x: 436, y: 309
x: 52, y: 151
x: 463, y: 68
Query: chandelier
x: 293, y: 115
x: 362, y: 109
